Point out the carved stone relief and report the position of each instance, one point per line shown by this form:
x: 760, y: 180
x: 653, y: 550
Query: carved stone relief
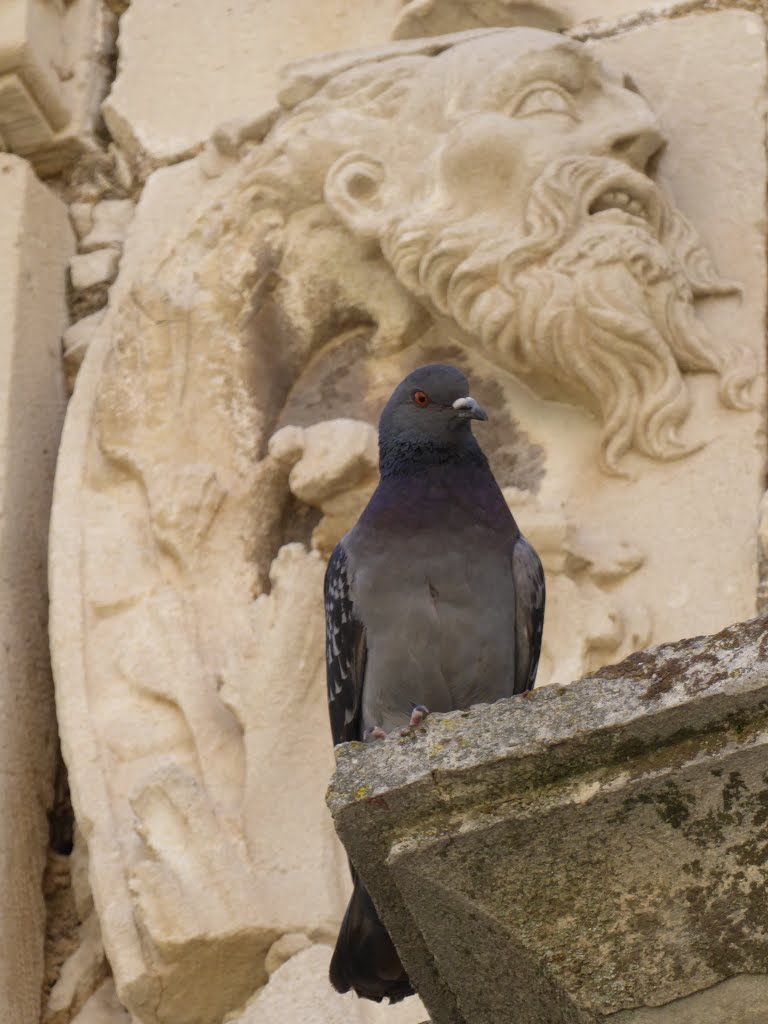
x: 499, y: 199
x: 436, y: 17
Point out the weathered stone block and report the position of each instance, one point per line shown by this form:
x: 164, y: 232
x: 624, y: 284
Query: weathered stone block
x: 92, y: 268
x: 103, y: 1008
x: 31, y: 48
x: 221, y: 64
x: 593, y: 849
x: 111, y: 218
x: 52, y: 75
x: 35, y: 243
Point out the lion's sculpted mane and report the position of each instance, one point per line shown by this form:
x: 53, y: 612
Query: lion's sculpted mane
x: 596, y: 308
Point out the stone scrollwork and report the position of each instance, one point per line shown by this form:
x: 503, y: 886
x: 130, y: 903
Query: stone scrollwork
x: 484, y: 198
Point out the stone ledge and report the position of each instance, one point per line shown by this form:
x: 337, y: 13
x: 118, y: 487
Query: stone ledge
x: 605, y: 841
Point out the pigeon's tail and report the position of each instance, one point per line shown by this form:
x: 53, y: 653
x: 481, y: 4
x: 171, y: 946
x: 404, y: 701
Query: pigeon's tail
x: 365, y: 958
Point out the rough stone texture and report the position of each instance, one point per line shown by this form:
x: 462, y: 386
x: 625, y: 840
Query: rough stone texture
x: 81, y: 975
x: 52, y: 75
x: 434, y: 17
x: 741, y: 1000
x: 81, y: 214
x: 252, y: 334
x: 109, y: 224
x: 63, y: 935
x: 186, y: 69
x: 604, y: 841
x: 103, y: 1008
x: 92, y: 268
x: 35, y: 244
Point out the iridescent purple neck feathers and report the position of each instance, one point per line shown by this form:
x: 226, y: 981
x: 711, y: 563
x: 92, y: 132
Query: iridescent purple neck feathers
x: 439, y: 495
x: 399, y: 456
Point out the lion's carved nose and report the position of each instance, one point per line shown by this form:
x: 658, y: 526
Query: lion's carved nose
x: 638, y: 148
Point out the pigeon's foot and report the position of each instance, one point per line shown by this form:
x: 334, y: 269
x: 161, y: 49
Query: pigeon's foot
x: 374, y: 733
x: 418, y: 714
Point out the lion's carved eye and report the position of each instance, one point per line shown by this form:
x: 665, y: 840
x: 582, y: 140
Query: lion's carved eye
x: 421, y: 398
x: 545, y: 99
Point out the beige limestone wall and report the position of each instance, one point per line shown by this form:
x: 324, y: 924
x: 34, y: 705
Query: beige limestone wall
x: 221, y: 65
x: 35, y: 244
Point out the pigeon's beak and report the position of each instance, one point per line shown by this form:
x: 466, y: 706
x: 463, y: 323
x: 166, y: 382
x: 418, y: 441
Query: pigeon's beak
x: 468, y: 409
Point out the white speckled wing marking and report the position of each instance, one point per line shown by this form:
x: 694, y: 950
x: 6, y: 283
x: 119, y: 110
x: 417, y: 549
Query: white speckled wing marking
x: 345, y: 651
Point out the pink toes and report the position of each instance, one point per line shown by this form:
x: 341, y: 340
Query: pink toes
x: 418, y: 714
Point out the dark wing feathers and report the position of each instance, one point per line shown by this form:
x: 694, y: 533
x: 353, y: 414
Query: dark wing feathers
x: 529, y: 613
x: 365, y: 958
x: 345, y: 651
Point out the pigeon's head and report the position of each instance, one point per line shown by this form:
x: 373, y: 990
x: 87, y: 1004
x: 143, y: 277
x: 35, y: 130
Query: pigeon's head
x: 431, y: 406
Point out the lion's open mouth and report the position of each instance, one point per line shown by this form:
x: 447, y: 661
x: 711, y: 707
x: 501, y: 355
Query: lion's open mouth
x: 616, y: 199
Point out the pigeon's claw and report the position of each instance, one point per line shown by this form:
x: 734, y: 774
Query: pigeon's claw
x: 375, y: 732
x: 418, y: 714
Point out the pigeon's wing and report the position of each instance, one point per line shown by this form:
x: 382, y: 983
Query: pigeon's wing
x: 529, y: 613
x: 345, y: 651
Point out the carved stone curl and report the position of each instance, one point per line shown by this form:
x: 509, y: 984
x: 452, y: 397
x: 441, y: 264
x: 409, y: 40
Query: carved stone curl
x: 482, y: 198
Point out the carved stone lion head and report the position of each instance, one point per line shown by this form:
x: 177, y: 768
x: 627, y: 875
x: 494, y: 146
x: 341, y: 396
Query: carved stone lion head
x: 501, y: 181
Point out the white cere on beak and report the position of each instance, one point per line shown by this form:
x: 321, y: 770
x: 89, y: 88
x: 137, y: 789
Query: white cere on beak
x: 470, y: 407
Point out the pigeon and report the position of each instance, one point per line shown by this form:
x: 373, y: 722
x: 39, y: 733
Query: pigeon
x: 434, y: 601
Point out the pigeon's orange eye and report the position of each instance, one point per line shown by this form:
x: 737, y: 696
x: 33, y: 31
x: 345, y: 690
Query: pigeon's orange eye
x: 421, y: 398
